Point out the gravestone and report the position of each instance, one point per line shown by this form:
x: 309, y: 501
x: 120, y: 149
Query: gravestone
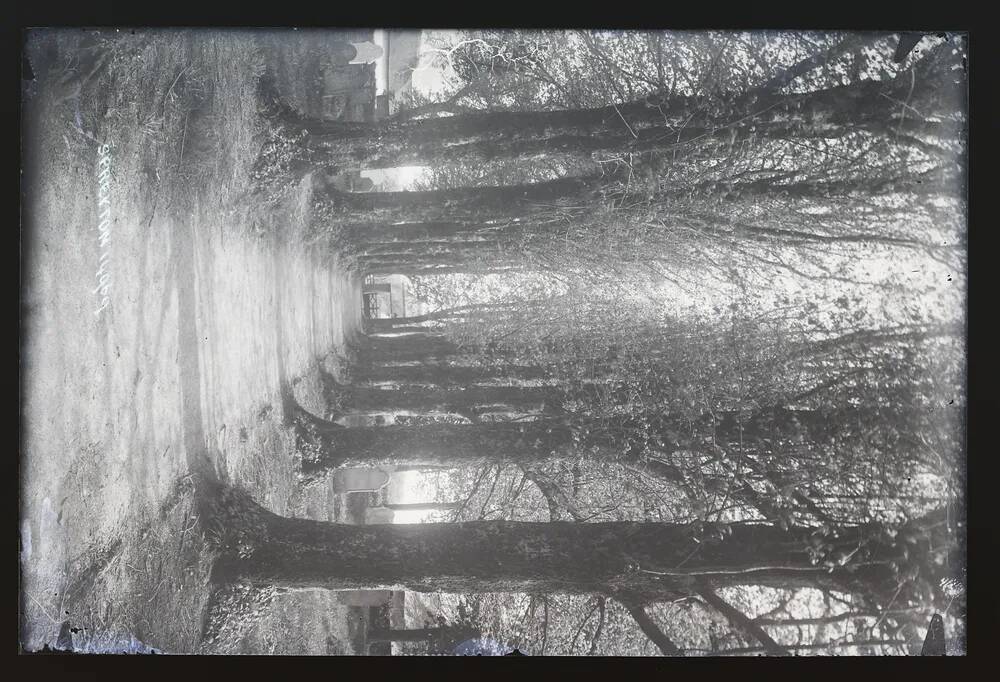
x: 359, y: 480
x: 366, y: 52
x: 352, y: 182
x: 340, y: 52
x: 378, y: 515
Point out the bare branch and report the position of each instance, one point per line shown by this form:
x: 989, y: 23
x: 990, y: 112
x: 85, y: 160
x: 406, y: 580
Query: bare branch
x: 600, y: 628
x: 637, y: 610
x: 852, y: 43
x: 739, y: 620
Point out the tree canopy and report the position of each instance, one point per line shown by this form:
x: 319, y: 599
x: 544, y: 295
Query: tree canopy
x: 706, y: 283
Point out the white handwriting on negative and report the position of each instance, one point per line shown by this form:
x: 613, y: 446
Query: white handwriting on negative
x: 103, y: 274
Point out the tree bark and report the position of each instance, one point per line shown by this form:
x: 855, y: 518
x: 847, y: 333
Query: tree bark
x: 438, y: 263
x: 440, y: 444
x: 367, y: 233
x: 447, y: 376
x: 634, y: 126
x: 458, y: 400
x: 376, y: 328
x: 416, y: 346
x: 463, y: 204
x: 652, y: 561
x: 430, y: 270
x: 535, y: 442
x: 457, y: 312
x: 531, y: 441
x: 475, y: 137
x: 446, y: 249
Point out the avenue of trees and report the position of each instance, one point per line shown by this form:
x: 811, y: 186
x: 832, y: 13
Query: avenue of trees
x: 671, y: 347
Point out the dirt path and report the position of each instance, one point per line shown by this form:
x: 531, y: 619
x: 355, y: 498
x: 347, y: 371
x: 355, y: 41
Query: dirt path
x: 206, y: 321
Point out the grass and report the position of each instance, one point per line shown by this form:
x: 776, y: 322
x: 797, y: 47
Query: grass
x: 148, y: 587
x: 181, y: 109
x: 179, y: 106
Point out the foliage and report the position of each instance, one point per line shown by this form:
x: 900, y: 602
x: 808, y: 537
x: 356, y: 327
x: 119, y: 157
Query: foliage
x: 753, y: 317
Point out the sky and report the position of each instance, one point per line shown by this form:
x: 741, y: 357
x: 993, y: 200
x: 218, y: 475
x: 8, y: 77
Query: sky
x: 429, y: 77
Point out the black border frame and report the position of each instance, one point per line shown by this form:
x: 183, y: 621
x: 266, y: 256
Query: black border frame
x: 982, y: 400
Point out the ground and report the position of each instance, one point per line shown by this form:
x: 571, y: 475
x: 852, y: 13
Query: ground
x: 216, y: 301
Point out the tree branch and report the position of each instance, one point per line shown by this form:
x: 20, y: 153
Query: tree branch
x: 583, y: 624
x: 739, y: 620
x: 449, y: 105
x: 650, y: 629
x: 806, y: 65
x: 600, y: 628
x: 553, y: 496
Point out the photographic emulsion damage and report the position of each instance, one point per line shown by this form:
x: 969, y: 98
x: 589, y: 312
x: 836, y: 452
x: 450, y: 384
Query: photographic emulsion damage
x: 491, y: 342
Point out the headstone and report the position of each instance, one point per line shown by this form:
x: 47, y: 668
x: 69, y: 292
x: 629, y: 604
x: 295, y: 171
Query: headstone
x: 366, y: 52
x: 359, y: 480
x: 363, y: 184
x: 375, y: 515
x: 340, y: 52
x: 352, y: 182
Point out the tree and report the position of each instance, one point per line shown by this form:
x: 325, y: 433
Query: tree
x: 449, y: 205
x: 468, y: 401
x: 652, y: 560
x: 628, y: 126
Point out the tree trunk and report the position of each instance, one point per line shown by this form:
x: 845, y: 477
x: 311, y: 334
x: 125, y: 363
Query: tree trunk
x: 438, y: 263
x: 650, y: 561
x: 409, y: 346
x: 530, y: 441
x: 383, y: 328
x: 474, y: 137
x: 447, y: 376
x: 457, y: 400
x: 457, y: 312
x: 367, y: 233
x: 535, y: 442
x: 448, y: 249
x: 646, y: 444
x: 463, y: 204
x: 441, y: 444
x: 430, y: 270
x: 423, y: 345
x: 635, y: 126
